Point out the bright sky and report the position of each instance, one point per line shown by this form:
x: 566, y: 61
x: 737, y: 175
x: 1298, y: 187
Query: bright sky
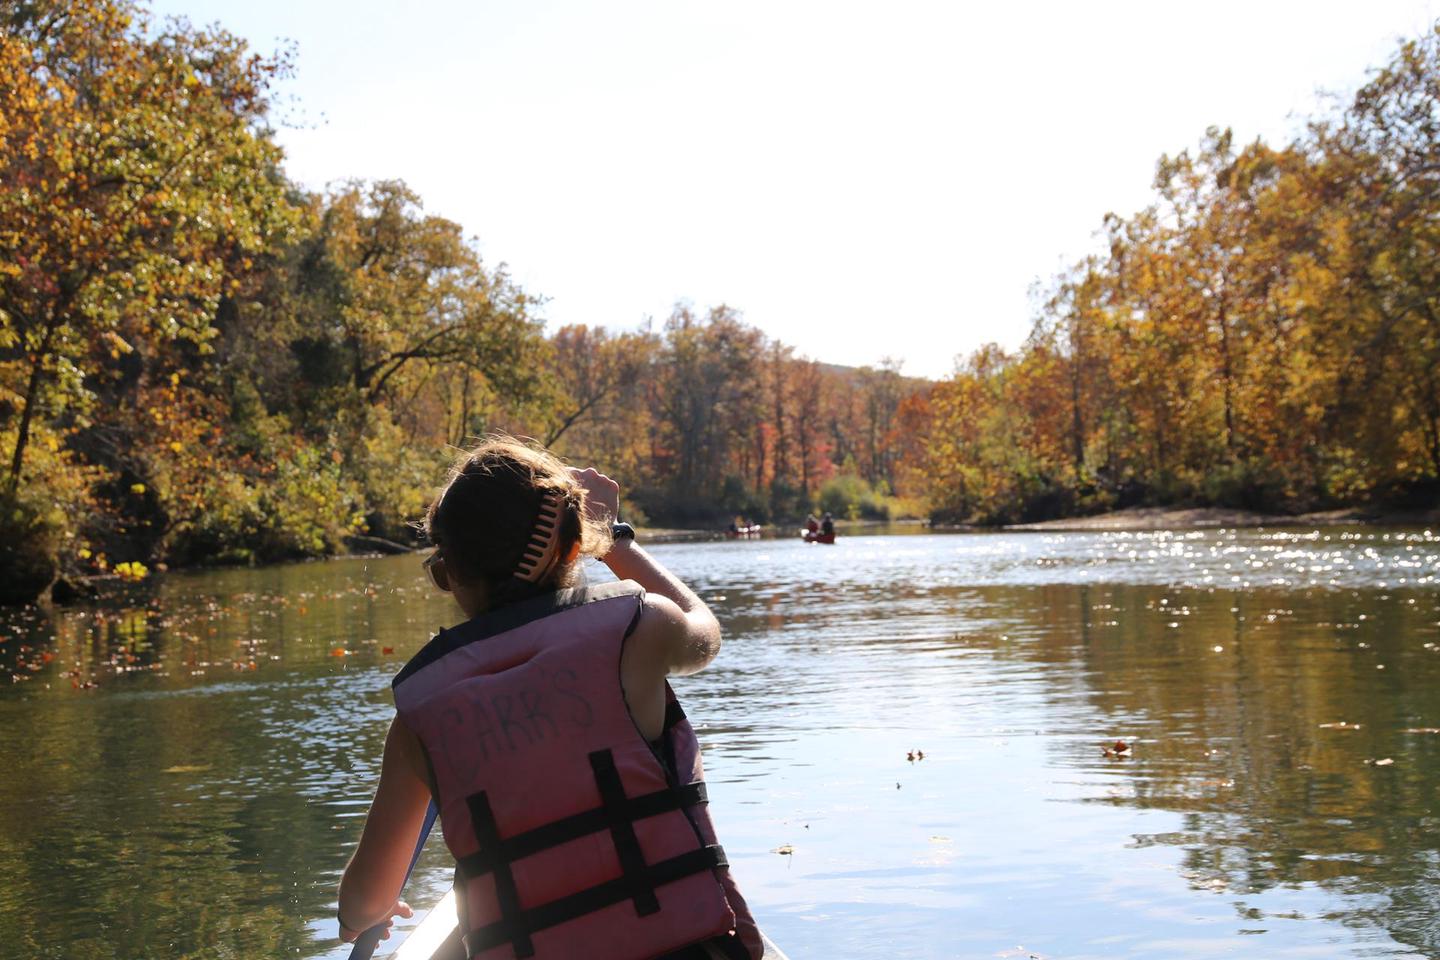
x: 860, y: 180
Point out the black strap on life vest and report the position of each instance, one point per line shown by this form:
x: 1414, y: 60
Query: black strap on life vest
x: 553, y: 834
x: 617, y: 814
x: 622, y: 832
x: 488, y: 833
x: 674, y: 713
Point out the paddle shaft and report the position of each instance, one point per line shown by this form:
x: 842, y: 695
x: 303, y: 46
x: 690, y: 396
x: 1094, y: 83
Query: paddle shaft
x: 366, y: 943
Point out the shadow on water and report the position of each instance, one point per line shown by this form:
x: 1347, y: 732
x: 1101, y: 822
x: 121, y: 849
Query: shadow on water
x: 1278, y: 692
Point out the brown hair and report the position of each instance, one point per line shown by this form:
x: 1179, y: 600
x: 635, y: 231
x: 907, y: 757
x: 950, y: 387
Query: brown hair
x: 486, y: 515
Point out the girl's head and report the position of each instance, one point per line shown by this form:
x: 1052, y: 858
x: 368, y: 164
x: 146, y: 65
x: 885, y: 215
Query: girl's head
x: 509, y: 524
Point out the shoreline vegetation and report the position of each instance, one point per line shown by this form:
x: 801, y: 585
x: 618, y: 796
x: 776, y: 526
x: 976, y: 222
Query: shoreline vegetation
x: 1129, y: 520
x: 204, y: 363
x: 1137, y: 519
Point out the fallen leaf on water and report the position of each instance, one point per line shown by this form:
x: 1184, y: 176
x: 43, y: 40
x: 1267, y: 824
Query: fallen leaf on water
x: 1387, y: 762
x: 339, y: 652
x: 784, y: 850
x: 187, y: 768
x: 1118, y: 749
x: 387, y: 650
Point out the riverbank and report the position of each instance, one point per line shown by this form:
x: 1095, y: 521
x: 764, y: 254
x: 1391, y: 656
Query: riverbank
x: 1200, y: 518
x: 73, y: 589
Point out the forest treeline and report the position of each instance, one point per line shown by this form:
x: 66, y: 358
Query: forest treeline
x: 1265, y: 334
x: 202, y: 362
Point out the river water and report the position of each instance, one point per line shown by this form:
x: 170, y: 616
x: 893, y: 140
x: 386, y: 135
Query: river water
x: 187, y: 764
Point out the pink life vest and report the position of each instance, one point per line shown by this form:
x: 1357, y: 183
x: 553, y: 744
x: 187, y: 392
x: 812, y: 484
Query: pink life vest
x: 570, y: 836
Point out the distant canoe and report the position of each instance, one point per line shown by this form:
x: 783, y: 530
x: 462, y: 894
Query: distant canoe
x: 438, y: 937
x: 744, y: 533
x: 814, y: 536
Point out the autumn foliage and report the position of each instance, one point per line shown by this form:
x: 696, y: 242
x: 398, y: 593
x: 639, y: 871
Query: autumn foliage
x: 1266, y: 334
x: 201, y: 362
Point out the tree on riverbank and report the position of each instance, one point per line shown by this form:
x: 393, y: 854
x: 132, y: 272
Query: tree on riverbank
x: 137, y: 185
x: 1265, y: 334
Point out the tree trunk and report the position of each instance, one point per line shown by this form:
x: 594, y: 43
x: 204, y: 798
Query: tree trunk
x: 32, y: 397
x: 464, y: 411
x: 1228, y: 377
x: 27, y: 414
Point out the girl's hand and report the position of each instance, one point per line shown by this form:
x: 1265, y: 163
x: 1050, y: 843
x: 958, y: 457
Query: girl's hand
x: 400, y: 909
x: 602, y: 495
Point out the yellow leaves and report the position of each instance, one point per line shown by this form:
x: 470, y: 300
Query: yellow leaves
x: 119, y: 346
x: 132, y: 570
x: 138, y: 489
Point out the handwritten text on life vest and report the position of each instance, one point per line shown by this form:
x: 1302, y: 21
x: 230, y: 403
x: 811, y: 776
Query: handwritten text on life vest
x: 490, y: 723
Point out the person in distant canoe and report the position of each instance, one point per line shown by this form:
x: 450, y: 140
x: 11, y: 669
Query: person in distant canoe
x: 568, y: 780
x: 812, y: 526
x: 827, y: 526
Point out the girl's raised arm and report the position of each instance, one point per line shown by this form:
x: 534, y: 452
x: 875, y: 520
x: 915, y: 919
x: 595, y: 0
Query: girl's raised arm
x: 677, y: 624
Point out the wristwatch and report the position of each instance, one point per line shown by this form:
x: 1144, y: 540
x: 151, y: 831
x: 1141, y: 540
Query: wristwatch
x: 620, y: 530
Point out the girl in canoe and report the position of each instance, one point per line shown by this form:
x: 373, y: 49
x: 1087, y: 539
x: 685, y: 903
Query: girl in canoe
x: 568, y: 780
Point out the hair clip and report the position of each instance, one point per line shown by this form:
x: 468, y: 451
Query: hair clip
x: 539, y: 554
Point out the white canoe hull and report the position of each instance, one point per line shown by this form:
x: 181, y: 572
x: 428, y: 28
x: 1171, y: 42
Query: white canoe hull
x: 435, y: 938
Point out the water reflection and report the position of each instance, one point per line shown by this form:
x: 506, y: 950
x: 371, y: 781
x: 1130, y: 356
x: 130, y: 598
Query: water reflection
x: 193, y: 804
